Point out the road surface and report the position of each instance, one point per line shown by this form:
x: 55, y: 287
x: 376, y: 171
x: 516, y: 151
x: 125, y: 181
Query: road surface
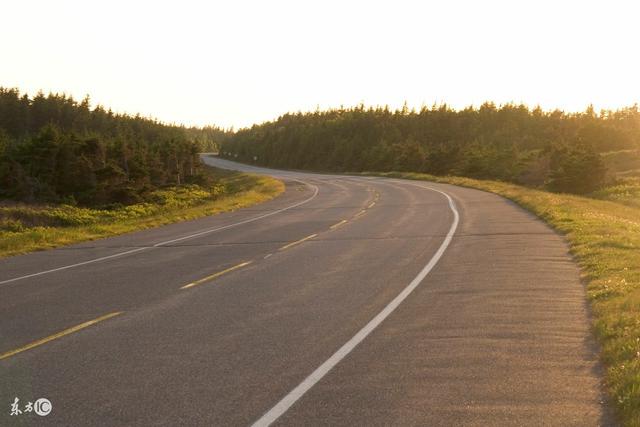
x: 345, y: 301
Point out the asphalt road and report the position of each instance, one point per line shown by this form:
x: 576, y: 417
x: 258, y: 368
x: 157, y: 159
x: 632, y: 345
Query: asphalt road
x: 345, y: 301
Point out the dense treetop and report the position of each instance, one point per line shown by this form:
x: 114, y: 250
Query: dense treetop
x: 56, y: 149
x: 509, y: 142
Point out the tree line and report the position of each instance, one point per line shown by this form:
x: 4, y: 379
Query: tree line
x: 56, y: 149
x: 510, y: 142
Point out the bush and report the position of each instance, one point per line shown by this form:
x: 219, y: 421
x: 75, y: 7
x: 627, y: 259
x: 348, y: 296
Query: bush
x: 20, y: 217
x: 12, y: 225
x: 577, y: 169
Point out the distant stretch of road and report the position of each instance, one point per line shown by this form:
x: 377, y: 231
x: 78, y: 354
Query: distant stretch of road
x: 345, y: 301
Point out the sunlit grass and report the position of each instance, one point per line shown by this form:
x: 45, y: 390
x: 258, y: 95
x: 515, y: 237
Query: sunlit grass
x: 605, y: 239
x: 25, y: 228
x: 625, y: 190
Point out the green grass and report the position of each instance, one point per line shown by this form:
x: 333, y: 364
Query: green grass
x: 604, y: 236
x: 625, y: 191
x: 26, y: 228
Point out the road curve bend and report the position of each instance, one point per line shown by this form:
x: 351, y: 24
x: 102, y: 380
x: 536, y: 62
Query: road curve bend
x: 345, y: 301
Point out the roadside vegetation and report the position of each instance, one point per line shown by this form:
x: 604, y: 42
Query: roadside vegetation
x: 624, y: 170
x: 28, y: 227
x: 559, y: 151
x: 54, y: 149
x: 69, y: 173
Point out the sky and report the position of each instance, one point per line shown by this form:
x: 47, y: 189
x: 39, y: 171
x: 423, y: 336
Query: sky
x: 235, y: 63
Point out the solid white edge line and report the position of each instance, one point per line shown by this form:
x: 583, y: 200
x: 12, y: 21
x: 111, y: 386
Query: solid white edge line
x: 283, y: 405
x: 191, y: 236
x: 315, y: 193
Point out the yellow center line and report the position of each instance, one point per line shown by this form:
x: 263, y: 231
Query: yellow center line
x: 362, y: 212
x: 213, y: 276
x: 338, y: 224
x: 58, y: 335
x: 297, y: 242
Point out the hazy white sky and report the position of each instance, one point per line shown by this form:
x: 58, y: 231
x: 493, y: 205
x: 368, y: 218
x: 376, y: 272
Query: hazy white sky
x: 240, y: 62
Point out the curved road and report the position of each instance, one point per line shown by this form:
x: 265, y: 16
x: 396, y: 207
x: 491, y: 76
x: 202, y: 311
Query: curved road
x: 345, y: 301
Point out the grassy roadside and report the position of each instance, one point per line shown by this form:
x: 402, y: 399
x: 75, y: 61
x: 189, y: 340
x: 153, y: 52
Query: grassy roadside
x: 25, y: 228
x: 605, y: 239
